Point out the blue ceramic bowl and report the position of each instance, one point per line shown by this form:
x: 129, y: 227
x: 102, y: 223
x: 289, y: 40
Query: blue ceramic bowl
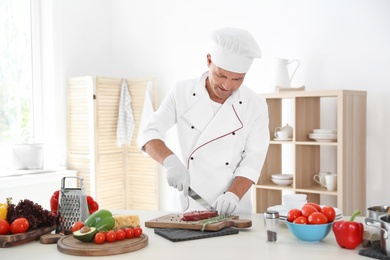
x: 309, y: 232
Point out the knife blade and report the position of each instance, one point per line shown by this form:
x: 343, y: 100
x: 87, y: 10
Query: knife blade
x: 195, y: 196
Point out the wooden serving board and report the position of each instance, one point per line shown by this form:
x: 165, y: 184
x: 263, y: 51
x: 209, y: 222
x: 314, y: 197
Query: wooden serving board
x: 21, y: 238
x: 71, y: 246
x: 174, y: 221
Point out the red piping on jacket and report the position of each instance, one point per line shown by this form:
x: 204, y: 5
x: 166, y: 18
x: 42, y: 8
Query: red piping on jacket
x: 242, y: 125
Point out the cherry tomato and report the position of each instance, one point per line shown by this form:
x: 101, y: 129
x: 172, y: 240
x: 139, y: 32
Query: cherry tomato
x: 120, y: 234
x: 307, y: 210
x: 19, y: 225
x: 300, y: 220
x: 99, y: 238
x: 329, y: 212
x: 317, y: 218
x: 293, y: 214
x: 317, y: 206
x: 110, y: 236
x: 137, y: 231
x: 4, y: 227
x: 77, y: 226
x: 129, y: 232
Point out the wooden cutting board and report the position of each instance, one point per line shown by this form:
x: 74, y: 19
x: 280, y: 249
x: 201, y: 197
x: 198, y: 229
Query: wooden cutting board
x: 71, y: 246
x: 174, y: 221
x: 18, y: 239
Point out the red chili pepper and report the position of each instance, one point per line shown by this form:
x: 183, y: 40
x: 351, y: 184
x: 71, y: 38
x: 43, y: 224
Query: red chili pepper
x: 92, y: 205
x: 54, y: 202
x: 349, y: 234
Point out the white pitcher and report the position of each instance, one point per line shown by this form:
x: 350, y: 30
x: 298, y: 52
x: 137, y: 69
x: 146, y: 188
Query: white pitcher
x: 282, y: 77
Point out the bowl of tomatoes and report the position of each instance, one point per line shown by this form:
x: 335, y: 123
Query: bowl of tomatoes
x: 311, y: 223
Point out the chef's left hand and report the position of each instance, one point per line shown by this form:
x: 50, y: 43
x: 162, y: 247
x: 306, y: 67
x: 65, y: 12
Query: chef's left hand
x: 227, y: 204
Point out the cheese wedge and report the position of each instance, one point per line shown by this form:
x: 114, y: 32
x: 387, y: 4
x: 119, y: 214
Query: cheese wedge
x: 126, y: 221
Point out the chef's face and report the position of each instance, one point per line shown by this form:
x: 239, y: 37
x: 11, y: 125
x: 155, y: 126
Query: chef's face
x: 222, y: 83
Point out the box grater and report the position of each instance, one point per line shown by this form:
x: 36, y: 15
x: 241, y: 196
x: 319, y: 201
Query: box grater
x: 72, y: 205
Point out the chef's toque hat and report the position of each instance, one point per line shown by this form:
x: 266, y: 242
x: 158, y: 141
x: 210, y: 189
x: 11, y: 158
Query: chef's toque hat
x: 233, y: 49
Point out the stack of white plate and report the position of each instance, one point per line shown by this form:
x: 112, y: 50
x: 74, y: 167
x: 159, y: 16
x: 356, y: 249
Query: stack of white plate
x: 282, y: 179
x: 324, y: 135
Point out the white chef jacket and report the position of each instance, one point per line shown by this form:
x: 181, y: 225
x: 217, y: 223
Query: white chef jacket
x: 215, y: 148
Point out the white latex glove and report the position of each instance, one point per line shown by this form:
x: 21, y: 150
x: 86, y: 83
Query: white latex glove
x: 177, y: 174
x: 227, y: 204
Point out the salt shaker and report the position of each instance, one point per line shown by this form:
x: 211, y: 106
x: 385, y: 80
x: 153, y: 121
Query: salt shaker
x: 271, y: 223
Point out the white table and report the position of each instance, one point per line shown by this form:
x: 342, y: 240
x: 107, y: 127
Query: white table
x: 247, y: 244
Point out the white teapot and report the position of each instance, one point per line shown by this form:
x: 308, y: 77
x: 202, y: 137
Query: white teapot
x: 286, y: 128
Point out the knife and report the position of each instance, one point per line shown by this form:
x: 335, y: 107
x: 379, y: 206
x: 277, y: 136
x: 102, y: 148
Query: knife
x: 195, y: 196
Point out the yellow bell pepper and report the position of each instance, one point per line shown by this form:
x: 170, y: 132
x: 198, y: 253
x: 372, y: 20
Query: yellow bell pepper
x: 3, y: 210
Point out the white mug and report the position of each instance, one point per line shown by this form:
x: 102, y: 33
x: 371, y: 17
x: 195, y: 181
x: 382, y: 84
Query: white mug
x: 282, y: 135
x: 320, y: 178
x: 330, y: 181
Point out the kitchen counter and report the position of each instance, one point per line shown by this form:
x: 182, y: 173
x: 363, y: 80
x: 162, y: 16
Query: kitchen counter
x: 248, y: 244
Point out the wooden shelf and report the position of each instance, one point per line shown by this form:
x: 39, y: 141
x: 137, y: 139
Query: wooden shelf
x: 344, y: 110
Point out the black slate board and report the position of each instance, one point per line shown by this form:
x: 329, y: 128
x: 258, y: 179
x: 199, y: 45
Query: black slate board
x: 374, y: 253
x: 177, y: 235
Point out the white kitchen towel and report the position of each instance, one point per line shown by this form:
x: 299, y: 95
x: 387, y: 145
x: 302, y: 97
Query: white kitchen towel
x: 125, y: 126
x: 147, y: 111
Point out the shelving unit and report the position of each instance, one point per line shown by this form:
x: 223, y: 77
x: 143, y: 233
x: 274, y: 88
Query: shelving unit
x: 344, y: 110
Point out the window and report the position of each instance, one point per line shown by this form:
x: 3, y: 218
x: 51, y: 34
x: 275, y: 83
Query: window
x: 17, y: 106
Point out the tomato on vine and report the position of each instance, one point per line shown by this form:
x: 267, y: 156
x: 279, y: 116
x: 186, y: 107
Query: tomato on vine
x: 120, y: 234
x: 100, y: 237
x: 129, y: 232
x: 137, y: 231
x: 111, y: 236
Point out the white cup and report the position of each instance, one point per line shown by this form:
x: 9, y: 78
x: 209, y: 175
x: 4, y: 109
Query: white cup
x: 282, y: 135
x: 330, y: 181
x: 320, y: 178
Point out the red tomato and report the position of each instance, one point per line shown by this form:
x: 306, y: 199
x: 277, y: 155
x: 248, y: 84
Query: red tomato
x: 4, y: 227
x: 110, y: 236
x: 19, y: 225
x: 77, y: 226
x: 329, y: 212
x: 300, y: 220
x: 317, y: 206
x: 137, y: 231
x: 99, y: 238
x: 129, y: 232
x: 307, y: 210
x: 120, y: 234
x: 293, y: 214
x: 317, y: 218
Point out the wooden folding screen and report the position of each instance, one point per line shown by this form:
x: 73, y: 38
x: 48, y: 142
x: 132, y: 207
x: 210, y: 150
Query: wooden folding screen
x: 119, y: 177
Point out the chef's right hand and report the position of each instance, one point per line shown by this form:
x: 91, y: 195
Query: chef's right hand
x: 177, y: 174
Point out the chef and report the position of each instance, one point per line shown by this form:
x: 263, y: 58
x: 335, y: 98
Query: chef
x: 222, y: 128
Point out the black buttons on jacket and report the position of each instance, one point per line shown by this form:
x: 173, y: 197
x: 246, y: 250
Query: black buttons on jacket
x: 240, y: 102
x: 227, y: 163
x: 194, y: 94
x: 192, y: 127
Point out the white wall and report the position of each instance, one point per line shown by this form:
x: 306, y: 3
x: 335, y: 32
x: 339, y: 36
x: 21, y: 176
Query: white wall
x: 341, y: 44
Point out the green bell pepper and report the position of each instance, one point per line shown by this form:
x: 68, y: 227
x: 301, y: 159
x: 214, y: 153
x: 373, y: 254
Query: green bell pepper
x: 102, y: 220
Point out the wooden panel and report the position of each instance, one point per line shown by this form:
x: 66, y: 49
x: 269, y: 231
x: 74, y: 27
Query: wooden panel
x: 120, y: 177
